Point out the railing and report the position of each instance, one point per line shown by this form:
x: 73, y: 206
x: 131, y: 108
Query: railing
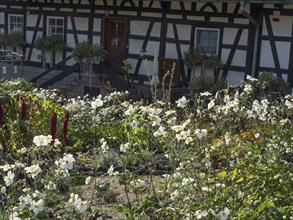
x: 56, y: 66
x: 9, y: 56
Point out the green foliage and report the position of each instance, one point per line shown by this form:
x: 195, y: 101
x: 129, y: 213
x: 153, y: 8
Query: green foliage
x: 14, y: 39
x: 192, y: 57
x: 213, y: 63
x: 268, y: 83
x: 50, y: 43
x: 85, y: 51
x: 203, y: 84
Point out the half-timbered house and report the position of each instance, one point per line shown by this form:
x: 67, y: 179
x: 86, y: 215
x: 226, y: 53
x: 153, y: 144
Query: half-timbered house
x: 249, y: 36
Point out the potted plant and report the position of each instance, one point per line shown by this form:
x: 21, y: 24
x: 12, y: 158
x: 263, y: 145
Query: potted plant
x: 50, y: 44
x: 213, y: 63
x: 192, y: 58
x: 14, y: 40
x: 272, y: 86
x: 85, y: 53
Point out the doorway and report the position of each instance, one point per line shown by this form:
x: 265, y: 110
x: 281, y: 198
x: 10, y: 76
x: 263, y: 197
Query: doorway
x: 115, y: 38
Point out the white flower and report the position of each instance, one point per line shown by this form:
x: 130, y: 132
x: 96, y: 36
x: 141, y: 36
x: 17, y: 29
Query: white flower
x: 80, y: 205
x: 57, y: 143
x: 42, y: 140
x: 7, y: 167
x: 14, y: 216
x: 199, y: 214
x: 248, y: 88
x: 87, y: 180
x: 201, y: 133
x: 224, y: 214
x: 73, y: 198
x: 177, y: 128
x: 111, y: 171
x: 33, y: 170
x: 24, y: 201
x: 67, y: 162
x: 211, y: 104
x: 181, y: 102
x: 206, y: 93
x: 104, y: 147
x: 37, y: 206
x: 174, y: 195
x: 250, y: 78
x: 9, y: 178
x: 124, y: 147
x: 138, y: 183
x: 160, y: 131
x: 97, y: 103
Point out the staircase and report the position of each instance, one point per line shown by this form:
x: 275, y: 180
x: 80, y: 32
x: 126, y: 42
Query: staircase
x: 72, y: 84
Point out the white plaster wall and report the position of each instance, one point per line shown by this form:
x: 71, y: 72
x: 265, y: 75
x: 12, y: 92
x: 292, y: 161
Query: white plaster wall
x: 244, y: 37
x: 131, y: 13
x: 241, y: 21
x: 97, y: 40
x: 81, y: 38
x: 81, y: 23
x: 224, y: 55
x: 135, y: 46
x: 35, y: 54
x: 235, y: 78
x: 156, y: 4
x: 184, y: 31
x: 266, y: 56
x: 229, y: 35
x: 219, y: 19
x: 31, y: 21
x: 97, y: 24
x: 139, y: 27
x: 170, y: 31
x: 156, y: 30
x: 283, y: 49
x: 150, y: 14
x: 171, y: 51
x: 196, y: 18
x: 69, y: 23
x: 152, y: 47
x: 70, y: 40
x: 231, y: 7
x: 175, y: 5
x: 239, y: 58
x: 281, y: 28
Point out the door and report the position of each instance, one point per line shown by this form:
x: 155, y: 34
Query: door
x: 114, y: 38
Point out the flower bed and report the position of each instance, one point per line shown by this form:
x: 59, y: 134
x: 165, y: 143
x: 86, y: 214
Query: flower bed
x: 227, y: 156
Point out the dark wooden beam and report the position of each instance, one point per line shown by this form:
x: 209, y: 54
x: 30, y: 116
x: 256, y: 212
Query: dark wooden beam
x: 34, y: 38
x: 144, y: 45
x: 232, y: 52
x: 179, y: 54
x: 290, y: 70
x: 273, y: 45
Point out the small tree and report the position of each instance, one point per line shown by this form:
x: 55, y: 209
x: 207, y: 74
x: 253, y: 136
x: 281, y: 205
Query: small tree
x: 192, y: 58
x: 85, y: 53
x: 15, y: 39
x: 51, y: 44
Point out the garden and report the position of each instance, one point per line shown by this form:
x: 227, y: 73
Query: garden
x: 226, y: 155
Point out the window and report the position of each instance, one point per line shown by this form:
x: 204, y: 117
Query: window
x: 55, y: 26
x: 16, y: 23
x: 207, y: 41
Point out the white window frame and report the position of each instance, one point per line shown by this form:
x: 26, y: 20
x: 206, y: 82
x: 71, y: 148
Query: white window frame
x: 48, y: 25
x: 208, y: 29
x: 9, y: 23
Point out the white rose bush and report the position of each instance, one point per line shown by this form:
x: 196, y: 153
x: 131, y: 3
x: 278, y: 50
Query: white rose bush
x: 223, y: 156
